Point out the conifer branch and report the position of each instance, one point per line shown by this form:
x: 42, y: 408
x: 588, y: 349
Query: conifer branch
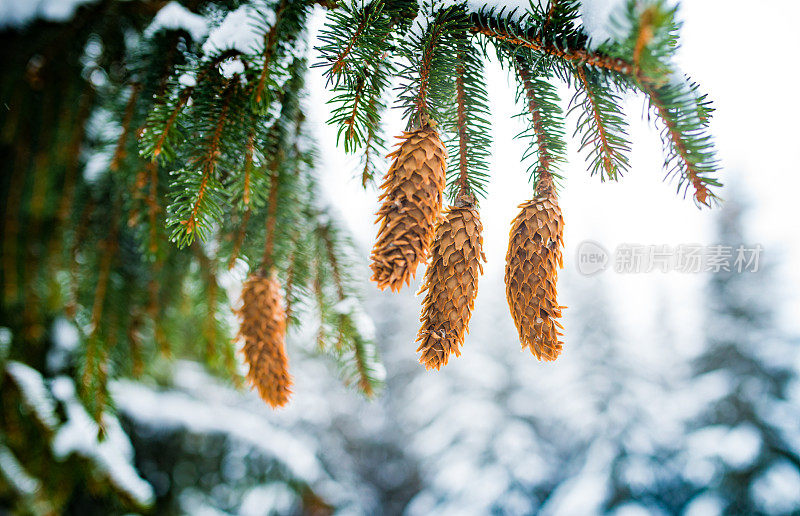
x: 272, y: 210
x: 350, y: 123
x: 337, y: 283
x: 340, y: 61
x: 189, y: 224
x: 109, y: 247
x: 550, y: 13
x: 119, y: 151
x: 96, y: 367
x: 153, y: 206
x: 349, y: 341
x: 248, y: 167
x: 73, y: 162
x: 601, y: 130
x: 170, y: 122
x: 572, y: 55
x: 694, y: 158
x: 546, y: 126
x: 470, y: 144
x: 428, y: 67
x: 320, y: 297
x: 421, y: 101
x: 289, y: 286
x: 371, y: 140
x: 71, y: 307
x: 463, y: 185
x: 603, y: 126
x: 269, y: 44
x: 239, y: 239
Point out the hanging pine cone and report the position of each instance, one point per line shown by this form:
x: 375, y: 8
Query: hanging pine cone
x: 532, y: 263
x: 263, y: 329
x: 412, y: 202
x: 451, y: 282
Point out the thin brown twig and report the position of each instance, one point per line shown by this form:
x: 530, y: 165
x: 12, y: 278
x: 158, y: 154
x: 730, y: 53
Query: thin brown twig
x: 463, y: 184
x: 339, y: 63
x: 702, y: 192
x: 152, y: 206
x: 267, y: 261
x: 572, y: 55
x: 240, y: 234
x: 545, y: 159
x: 210, y: 156
x: 549, y: 16
x: 119, y: 151
x: 425, y: 72
x: 601, y: 129
x: 269, y: 44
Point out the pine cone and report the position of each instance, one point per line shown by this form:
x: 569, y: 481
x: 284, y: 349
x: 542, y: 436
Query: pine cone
x: 532, y: 262
x: 451, y: 282
x: 263, y: 330
x: 412, y: 202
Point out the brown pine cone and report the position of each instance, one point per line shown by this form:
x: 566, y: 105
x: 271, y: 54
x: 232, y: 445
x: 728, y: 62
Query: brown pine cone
x: 532, y: 263
x: 412, y: 203
x: 451, y: 282
x: 263, y: 331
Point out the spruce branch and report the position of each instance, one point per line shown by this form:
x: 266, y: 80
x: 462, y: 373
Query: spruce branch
x: 72, y: 165
x: 239, y: 238
x: 429, y: 66
x: 197, y: 193
x: 354, y: 351
x: 95, y: 367
x: 673, y: 99
x: 161, y: 135
x: 690, y: 152
x: 469, y: 147
x: 354, y: 40
x: 602, y: 125
x: 289, y: 288
x: 167, y: 135
x: 248, y: 167
x: 267, y: 260
x: 567, y: 54
x: 463, y: 185
x: 546, y: 127
x: 374, y: 143
x: 269, y: 45
x: 119, y: 151
x: 356, y: 53
x: 153, y: 206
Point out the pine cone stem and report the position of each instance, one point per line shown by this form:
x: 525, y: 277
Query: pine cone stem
x: 272, y: 211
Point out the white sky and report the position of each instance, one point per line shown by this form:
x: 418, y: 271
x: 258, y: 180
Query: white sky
x: 740, y: 53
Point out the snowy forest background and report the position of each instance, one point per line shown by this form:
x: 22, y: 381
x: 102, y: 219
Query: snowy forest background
x: 676, y: 393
